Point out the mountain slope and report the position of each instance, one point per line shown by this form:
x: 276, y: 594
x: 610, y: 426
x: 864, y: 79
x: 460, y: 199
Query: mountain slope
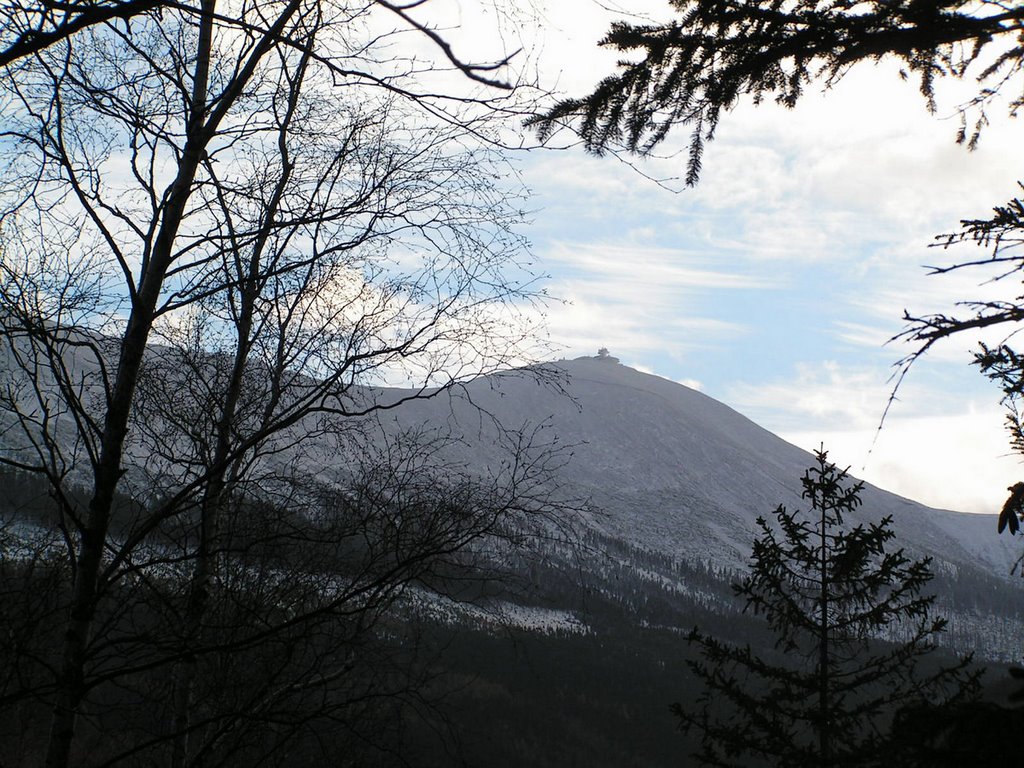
x: 671, y: 470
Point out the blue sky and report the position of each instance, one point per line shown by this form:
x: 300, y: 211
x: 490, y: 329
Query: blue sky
x: 775, y: 283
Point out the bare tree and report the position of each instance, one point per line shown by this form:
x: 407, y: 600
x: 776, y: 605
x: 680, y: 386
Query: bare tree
x: 218, y: 224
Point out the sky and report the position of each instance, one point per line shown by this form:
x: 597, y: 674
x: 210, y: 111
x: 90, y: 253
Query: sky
x: 775, y: 284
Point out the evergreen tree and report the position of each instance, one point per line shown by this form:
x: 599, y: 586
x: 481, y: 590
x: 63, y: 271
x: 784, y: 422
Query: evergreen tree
x: 852, y: 632
x: 692, y: 69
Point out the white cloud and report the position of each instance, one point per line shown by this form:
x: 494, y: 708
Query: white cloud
x: 959, y: 461
x: 640, y: 301
x: 872, y: 335
x: 827, y: 394
x: 662, y: 270
x: 585, y: 322
x: 936, y: 446
x: 568, y: 44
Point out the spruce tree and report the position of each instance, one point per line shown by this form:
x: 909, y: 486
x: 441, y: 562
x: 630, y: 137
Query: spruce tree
x: 685, y: 73
x: 852, y: 633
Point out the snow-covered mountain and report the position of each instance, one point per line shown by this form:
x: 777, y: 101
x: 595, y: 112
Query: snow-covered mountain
x: 673, y: 482
x: 670, y: 470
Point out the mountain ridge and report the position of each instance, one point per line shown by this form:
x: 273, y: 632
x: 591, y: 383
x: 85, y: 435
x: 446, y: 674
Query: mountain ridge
x: 676, y: 471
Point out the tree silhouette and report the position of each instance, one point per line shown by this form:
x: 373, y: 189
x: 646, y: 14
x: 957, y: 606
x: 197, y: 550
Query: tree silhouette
x: 696, y: 67
x: 1001, y: 236
x: 852, y: 636
x: 221, y: 226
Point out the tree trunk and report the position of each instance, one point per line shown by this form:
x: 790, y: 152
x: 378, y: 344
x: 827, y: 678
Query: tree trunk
x: 199, y: 593
x: 214, y: 498
x: 70, y: 682
x: 824, y: 735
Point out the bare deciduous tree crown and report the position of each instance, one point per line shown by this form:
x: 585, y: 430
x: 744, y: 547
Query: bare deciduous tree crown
x: 220, y: 223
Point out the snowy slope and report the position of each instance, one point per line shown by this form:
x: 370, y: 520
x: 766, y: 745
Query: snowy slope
x: 674, y: 479
x: 671, y: 470
x: 666, y: 468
